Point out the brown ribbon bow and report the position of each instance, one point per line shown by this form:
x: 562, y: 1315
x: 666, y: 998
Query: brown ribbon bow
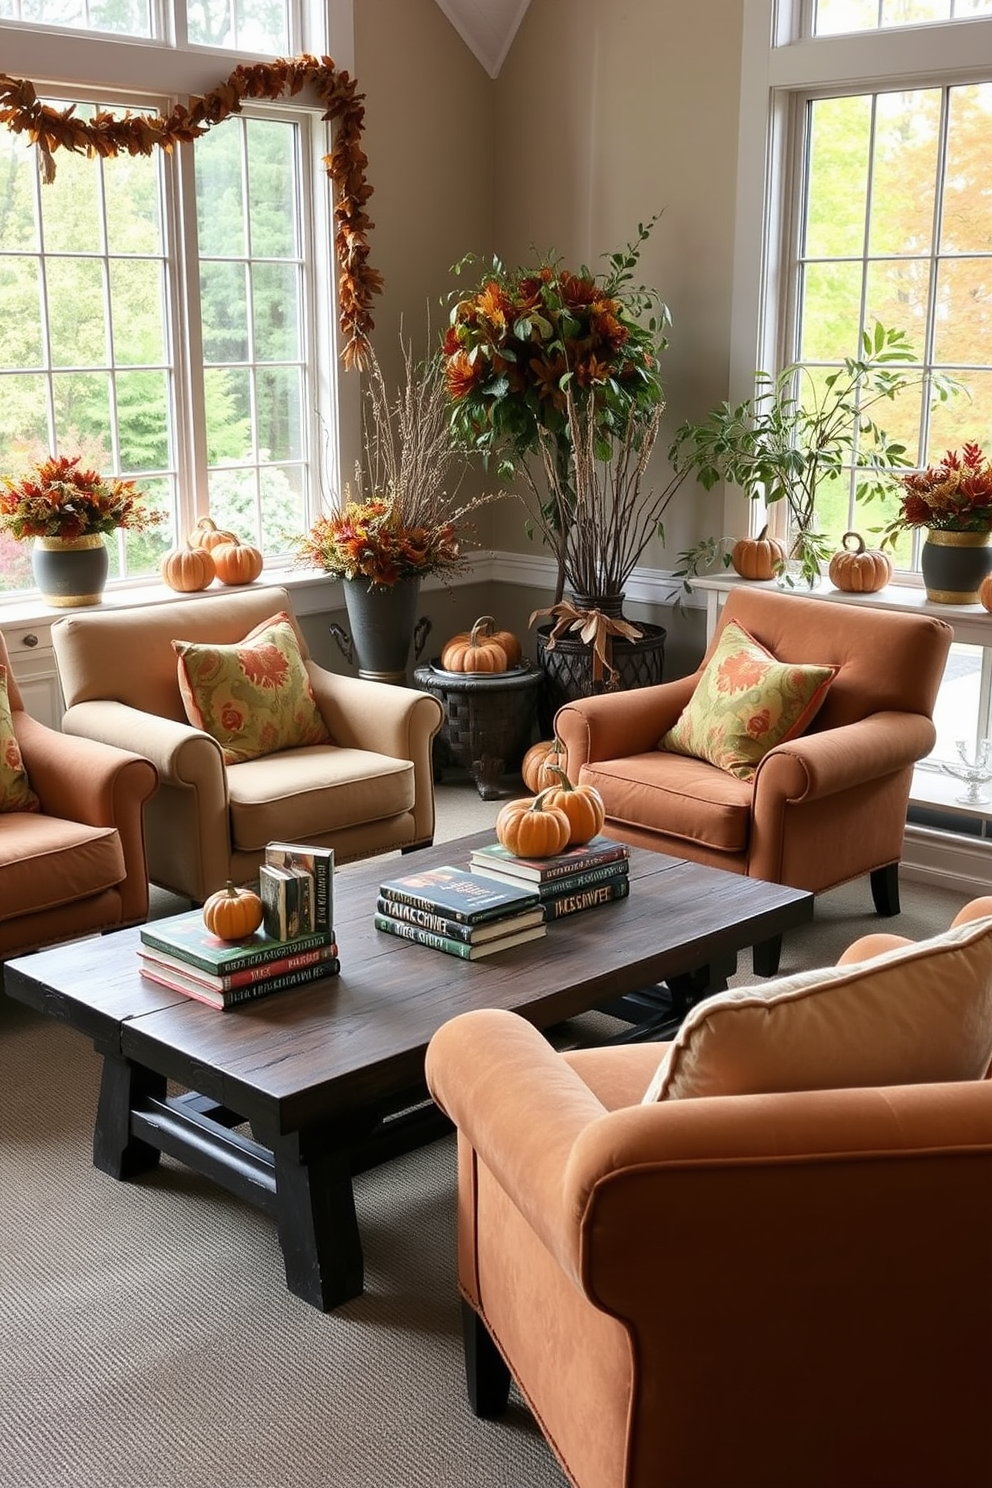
x: 595, y: 628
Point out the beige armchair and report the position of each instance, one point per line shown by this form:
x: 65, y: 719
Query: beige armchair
x: 77, y: 865
x: 369, y: 791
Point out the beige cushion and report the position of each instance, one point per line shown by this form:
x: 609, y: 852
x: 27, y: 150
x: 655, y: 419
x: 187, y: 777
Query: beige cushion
x: 918, y: 1014
x: 282, y: 796
x: 254, y: 697
x: 745, y: 703
x: 15, y: 787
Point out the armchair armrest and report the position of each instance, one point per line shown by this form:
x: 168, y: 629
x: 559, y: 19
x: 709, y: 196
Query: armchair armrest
x: 614, y: 725
x: 397, y: 721
x: 81, y: 780
x: 821, y: 764
x: 181, y: 754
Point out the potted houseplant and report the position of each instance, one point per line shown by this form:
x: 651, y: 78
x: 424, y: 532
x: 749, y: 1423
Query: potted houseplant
x: 799, y: 432
x: 952, y: 500
x: 399, y: 522
x: 67, y: 510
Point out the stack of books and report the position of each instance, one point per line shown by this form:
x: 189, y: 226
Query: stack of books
x: 180, y: 953
x: 295, y: 944
x: 579, y: 878
x: 458, y: 913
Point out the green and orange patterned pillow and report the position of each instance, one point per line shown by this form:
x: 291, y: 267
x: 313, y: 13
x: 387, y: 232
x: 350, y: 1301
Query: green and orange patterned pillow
x: 254, y: 697
x: 745, y: 703
x: 15, y: 787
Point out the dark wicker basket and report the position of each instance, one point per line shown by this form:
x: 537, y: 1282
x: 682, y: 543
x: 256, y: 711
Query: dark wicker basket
x: 488, y: 720
x: 568, y: 667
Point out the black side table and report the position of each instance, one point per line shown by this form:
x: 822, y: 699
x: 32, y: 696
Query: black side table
x: 488, y: 720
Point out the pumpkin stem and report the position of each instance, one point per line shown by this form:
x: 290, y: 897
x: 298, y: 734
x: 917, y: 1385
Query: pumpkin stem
x: 564, y: 783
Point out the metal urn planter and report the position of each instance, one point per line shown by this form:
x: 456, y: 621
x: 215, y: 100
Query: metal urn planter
x: 383, y: 626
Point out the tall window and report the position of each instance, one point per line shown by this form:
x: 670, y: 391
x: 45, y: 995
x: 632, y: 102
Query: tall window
x: 878, y: 208
x: 160, y: 316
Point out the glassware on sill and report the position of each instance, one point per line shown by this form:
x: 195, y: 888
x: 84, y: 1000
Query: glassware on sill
x: 976, y: 773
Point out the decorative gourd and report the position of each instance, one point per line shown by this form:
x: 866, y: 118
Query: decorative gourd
x: 758, y: 557
x: 206, y: 534
x: 232, y: 913
x: 582, y: 804
x: 506, y: 639
x: 474, y: 651
x: 236, y: 562
x: 859, y: 570
x: 540, y: 762
x: 985, y: 592
x: 188, y: 569
x: 530, y: 828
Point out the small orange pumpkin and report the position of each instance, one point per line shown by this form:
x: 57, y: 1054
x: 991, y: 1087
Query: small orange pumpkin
x: 985, y: 592
x: 539, y: 763
x: 474, y: 651
x: 859, y: 570
x: 582, y: 804
x: 188, y: 569
x: 236, y: 562
x: 206, y: 534
x: 758, y: 557
x: 232, y: 913
x: 530, y: 828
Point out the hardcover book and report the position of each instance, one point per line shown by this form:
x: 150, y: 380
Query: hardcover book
x: 318, y: 861
x: 282, y: 895
x: 429, y: 919
x: 162, y: 962
x: 187, y: 937
x: 459, y: 895
x: 176, y: 982
x: 607, y: 873
x: 572, y: 900
x: 467, y: 951
x: 592, y: 854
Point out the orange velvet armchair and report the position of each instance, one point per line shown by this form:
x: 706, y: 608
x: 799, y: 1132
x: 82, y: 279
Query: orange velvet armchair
x: 77, y: 866
x: 821, y: 809
x: 782, y: 1289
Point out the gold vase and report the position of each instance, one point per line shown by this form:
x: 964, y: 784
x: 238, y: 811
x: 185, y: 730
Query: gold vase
x: 954, y: 564
x: 70, y: 571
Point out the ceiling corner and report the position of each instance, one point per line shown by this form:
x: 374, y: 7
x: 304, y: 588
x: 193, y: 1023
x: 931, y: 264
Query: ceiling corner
x: 487, y: 27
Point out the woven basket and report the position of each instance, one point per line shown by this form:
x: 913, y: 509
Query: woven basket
x: 488, y: 721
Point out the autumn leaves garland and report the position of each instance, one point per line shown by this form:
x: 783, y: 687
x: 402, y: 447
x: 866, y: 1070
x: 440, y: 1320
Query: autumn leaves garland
x: 107, y: 135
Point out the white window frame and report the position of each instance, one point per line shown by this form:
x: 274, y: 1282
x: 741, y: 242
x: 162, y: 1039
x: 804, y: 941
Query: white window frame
x: 105, y: 64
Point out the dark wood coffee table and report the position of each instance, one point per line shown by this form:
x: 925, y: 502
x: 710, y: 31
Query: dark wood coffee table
x: 329, y: 1078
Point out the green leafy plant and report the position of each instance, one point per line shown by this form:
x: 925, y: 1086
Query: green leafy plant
x: 798, y: 432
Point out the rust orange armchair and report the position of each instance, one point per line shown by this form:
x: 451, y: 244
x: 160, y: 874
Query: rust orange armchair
x: 822, y: 808
x: 77, y: 865
x: 785, y: 1285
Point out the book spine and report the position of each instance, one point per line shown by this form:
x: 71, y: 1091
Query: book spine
x: 323, y: 893
x: 453, y: 929
x: 225, y: 981
x: 282, y: 983
x: 547, y: 872
x: 422, y: 936
x: 262, y: 956
x: 571, y: 902
x: 608, y: 873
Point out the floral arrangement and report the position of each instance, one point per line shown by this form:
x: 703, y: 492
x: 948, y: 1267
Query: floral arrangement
x: 952, y: 496
x: 371, y: 540
x: 523, y: 335
x: 401, y: 520
x: 61, y: 499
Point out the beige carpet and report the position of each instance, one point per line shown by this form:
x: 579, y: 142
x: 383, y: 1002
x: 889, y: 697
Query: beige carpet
x: 147, y: 1339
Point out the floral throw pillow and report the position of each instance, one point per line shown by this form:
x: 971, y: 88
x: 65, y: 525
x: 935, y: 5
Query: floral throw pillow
x: 253, y: 697
x: 15, y: 787
x: 745, y: 703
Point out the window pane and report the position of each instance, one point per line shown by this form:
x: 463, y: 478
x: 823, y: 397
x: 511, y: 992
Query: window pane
x: 840, y: 140
x: 248, y: 25
x: 907, y: 137
x: 78, y: 310
x: 224, y: 306
x: 966, y: 226
x: 836, y: 16
x: 137, y: 300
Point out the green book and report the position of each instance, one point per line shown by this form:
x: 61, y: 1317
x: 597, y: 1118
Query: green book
x: 466, y: 949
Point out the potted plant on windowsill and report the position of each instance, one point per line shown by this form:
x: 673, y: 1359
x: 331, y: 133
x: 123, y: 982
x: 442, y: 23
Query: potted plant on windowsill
x: 798, y: 433
x: 952, y: 500
x: 67, y: 510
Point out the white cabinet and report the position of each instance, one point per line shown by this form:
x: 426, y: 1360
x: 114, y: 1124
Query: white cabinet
x: 32, y: 659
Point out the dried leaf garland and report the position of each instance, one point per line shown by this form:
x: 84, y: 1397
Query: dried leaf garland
x: 107, y: 135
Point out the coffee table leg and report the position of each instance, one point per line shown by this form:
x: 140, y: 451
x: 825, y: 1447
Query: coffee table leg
x: 317, y: 1223
x: 124, y: 1087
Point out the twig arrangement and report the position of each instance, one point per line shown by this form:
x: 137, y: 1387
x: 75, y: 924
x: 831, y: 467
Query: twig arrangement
x: 606, y: 517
